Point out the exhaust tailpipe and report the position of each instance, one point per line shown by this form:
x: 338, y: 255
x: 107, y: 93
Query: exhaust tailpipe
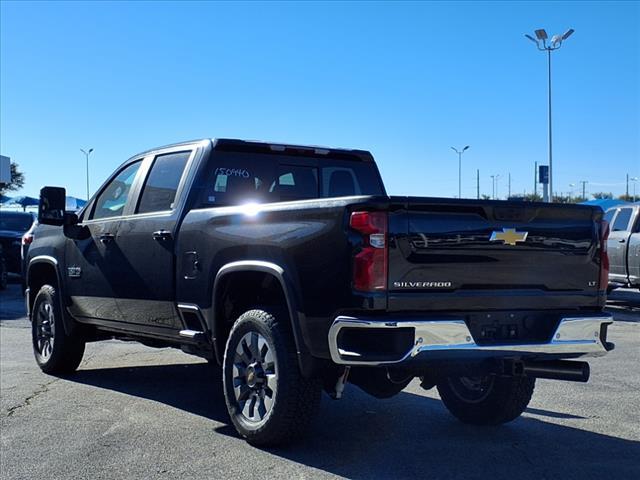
x: 558, y: 370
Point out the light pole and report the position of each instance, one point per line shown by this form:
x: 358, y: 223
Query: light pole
x: 555, y: 44
x: 86, y: 155
x: 634, y: 180
x: 494, y: 185
x: 460, y: 152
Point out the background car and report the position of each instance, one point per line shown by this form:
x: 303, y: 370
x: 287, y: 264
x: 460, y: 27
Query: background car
x: 13, y: 225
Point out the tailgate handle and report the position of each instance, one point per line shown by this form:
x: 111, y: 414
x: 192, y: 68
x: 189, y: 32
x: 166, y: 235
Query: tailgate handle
x: 162, y: 235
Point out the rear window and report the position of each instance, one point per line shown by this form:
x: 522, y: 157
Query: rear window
x: 238, y: 178
x: 609, y: 215
x: 15, y: 222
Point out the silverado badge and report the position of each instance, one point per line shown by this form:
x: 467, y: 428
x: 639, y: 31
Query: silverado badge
x: 509, y: 236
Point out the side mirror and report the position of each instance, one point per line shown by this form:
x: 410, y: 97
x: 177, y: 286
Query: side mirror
x: 53, y: 201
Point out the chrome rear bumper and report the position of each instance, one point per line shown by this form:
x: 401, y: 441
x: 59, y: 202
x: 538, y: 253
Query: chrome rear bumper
x: 574, y: 337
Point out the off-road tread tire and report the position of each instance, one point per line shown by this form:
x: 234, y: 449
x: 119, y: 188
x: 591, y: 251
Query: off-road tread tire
x: 506, y: 402
x: 68, y: 350
x: 297, y: 398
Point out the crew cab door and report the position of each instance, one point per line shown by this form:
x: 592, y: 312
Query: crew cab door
x: 618, y: 243
x: 92, y: 273
x: 147, y: 239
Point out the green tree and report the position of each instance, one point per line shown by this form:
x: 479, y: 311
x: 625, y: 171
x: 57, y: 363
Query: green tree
x: 532, y: 197
x: 602, y: 195
x: 17, y: 180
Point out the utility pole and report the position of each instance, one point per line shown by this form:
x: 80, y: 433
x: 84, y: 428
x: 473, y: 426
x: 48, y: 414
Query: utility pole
x: 634, y: 180
x: 460, y: 152
x: 478, y: 184
x: 535, y: 179
x: 584, y: 183
x: 627, y: 185
x: 86, y: 154
x: 509, y: 196
x: 554, y: 44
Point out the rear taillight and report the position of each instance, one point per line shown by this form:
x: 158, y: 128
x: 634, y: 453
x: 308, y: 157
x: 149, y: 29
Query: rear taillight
x: 370, y: 264
x: 604, y: 256
x: 27, y: 238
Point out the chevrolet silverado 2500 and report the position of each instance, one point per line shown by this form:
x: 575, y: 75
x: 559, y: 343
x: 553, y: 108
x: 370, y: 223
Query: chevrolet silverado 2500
x: 291, y: 269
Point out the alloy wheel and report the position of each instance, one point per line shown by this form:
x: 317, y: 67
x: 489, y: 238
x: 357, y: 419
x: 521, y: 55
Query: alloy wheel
x: 254, y: 377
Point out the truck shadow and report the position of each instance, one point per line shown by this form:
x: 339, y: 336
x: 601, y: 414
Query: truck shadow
x: 407, y: 436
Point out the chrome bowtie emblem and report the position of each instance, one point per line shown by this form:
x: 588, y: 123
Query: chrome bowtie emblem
x: 509, y: 236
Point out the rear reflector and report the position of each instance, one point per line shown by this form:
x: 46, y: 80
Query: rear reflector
x: 370, y: 264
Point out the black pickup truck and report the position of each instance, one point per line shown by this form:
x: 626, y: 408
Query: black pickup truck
x: 293, y: 270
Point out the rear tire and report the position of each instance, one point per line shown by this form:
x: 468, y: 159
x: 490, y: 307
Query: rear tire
x: 56, y: 352
x: 488, y: 400
x: 269, y: 401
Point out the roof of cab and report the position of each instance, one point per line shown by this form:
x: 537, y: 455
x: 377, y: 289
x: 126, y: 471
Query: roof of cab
x: 252, y: 146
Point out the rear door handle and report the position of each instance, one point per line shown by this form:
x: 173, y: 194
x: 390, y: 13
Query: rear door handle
x: 107, y: 238
x: 622, y: 240
x: 162, y: 235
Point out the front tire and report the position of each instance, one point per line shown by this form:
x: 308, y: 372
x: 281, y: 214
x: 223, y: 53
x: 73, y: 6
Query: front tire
x: 56, y: 352
x: 269, y: 401
x: 488, y: 400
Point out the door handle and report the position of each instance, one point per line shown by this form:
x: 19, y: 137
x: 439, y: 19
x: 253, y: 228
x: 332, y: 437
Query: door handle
x: 622, y: 240
x: 107, y: 238
x: 162, y: 235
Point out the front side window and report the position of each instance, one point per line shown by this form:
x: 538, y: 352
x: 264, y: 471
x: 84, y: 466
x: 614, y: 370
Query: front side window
x: 622, y: 219
x: 112, y: 200
x: 159, y: 191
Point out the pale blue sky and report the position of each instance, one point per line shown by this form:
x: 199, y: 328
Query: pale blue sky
x: 404, y: 80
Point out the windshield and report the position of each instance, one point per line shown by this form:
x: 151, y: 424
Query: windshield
x: 15, y: 222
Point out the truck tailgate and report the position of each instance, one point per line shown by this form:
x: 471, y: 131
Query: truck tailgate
x: 465, y: 255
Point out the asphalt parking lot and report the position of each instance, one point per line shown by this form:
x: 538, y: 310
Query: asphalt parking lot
x: 136, y: 412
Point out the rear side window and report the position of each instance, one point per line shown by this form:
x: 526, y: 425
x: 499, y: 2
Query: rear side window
x: 160, y: 189
x: 622, y: 219
x: 112, y: 200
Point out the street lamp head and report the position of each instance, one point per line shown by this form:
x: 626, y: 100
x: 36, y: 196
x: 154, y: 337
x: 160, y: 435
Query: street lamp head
x: 556, y: 40
x: 541, y: 34
x: 531, y: 38
x: 465, y: 148
x: 90, y: 150
x: 567, y: 34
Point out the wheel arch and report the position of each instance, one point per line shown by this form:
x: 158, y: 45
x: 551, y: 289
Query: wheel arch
x: 43, y: 270
x: 268, y: 270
